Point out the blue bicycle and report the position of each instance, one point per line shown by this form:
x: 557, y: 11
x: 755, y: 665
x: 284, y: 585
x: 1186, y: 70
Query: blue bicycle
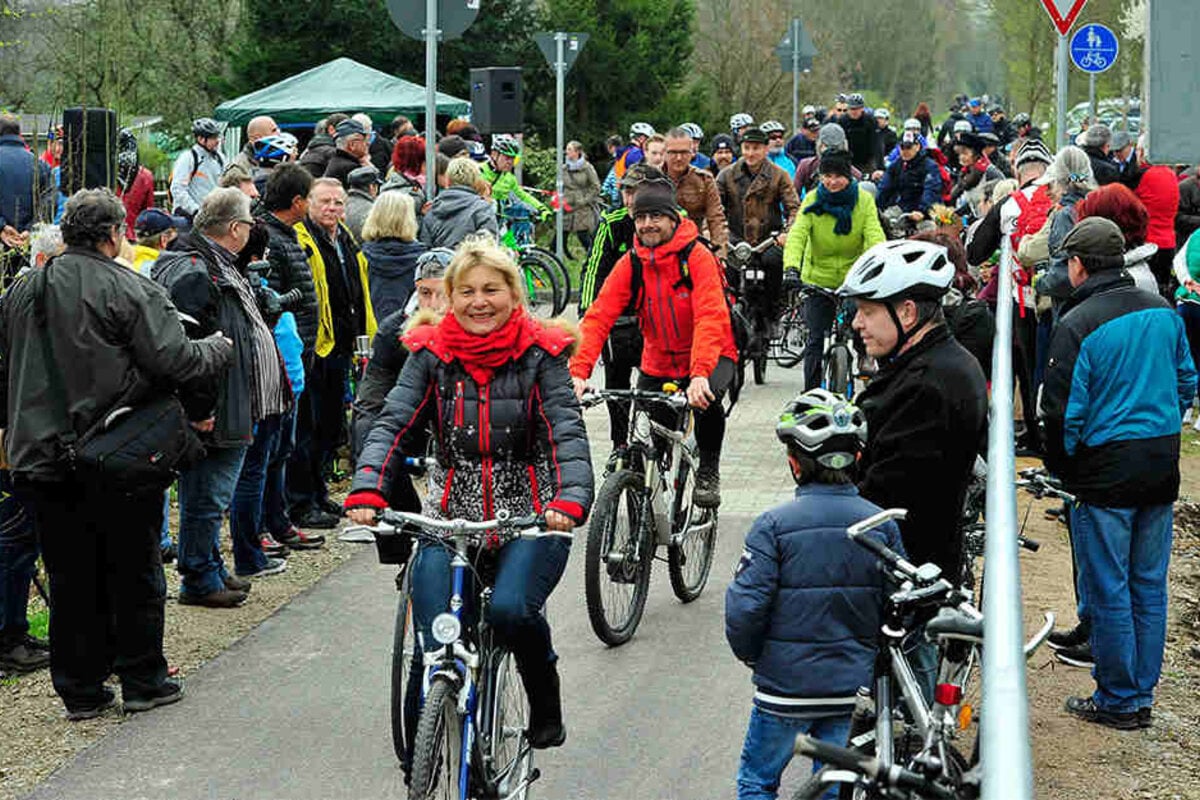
x: 470, y: 738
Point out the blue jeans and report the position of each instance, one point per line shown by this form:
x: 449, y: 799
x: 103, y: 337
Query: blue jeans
x: 164, y: 538
x: 1123, y: 555
x: 18, y: 562
x: 526, y: 574
x: 245, y: 518
x: 274, y: 499
x: 205, y: 492
x: 770, y: 740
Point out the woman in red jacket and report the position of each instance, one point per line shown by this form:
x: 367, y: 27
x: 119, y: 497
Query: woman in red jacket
x: 135, y: 183
x: 1158, y: 189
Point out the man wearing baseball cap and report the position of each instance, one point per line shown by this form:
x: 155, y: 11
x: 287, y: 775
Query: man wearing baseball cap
x: 1119, y: 377
x: 352, y: 150
x: 155, y: 229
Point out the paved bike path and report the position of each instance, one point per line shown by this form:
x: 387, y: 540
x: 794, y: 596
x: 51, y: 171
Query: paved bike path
x: 299, y: 707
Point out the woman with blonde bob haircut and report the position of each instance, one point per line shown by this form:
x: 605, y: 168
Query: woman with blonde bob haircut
x: 391, y: 248
x: 488, y: 385
x: 458, y: 211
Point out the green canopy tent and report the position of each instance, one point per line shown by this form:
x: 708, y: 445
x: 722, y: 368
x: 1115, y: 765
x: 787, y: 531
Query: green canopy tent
x: 340, y: 85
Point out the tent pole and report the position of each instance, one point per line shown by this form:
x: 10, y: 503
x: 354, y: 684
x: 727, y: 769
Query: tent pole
x: 431, y: 43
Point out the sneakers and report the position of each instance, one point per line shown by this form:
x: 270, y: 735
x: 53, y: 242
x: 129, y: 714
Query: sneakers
x: 169, y: 554
x: 235, y: 584
x: 1086, y: 709
x: 1078, y: 656
x: 274, y: 566
x: 321, y: 520
x: 225, y: 598
x: 24, y: 656
x: 272, y: 547
x: 1075, y: 637
x: 1144, y: 717
x: 297, y: 539
x: 91, y: 712
x: 707, y: 493
x: 169, y: 692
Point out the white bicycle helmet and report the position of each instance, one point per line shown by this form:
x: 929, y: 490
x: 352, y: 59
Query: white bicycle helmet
x: 825, y: 426
x: 963, y: 126
x: 900, y: 269
x: 693, y: 130
x: 809, y: 110
x: 506, y: 145
x: 882, y: 113
x: 912, y: 124
x: 772, y: 126
x: 739, y: 121
x: 640, y: 129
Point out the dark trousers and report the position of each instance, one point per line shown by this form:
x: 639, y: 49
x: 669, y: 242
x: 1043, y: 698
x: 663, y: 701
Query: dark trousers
x: 772, y: 264
x: 710, y: 423
x: 274, y: 498
x: 245, y: 518
x: 320, y: 431
x: 819, y: 313
x: 1161, y: 264
x: 1025, y: 334
x: 622, y: 355
x: 101, y: 549
x: 18, y: 563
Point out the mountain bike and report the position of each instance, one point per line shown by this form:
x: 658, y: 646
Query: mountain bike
x: 646, y: 502
x: 547, y: 284
x: 745, y: 262
x: 900, y: 745
x: 470, y: 740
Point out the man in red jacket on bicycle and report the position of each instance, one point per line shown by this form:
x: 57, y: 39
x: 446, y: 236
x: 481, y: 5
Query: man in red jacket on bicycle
x: 674, y: 286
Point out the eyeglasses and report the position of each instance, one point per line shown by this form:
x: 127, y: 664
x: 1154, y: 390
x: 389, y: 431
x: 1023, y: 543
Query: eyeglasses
x: 778, y: 136
x: 687, y: 153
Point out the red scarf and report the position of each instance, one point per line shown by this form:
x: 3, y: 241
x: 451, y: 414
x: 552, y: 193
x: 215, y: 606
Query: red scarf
x: 482, y: 354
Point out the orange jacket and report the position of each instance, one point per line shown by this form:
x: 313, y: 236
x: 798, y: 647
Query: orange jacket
x: 685, y: 329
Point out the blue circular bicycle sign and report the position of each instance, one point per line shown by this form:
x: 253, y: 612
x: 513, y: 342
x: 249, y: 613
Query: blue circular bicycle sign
x: 1094, y: 48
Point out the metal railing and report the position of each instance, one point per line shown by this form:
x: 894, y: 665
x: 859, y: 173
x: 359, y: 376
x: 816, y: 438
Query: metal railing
x: 1005, y: 751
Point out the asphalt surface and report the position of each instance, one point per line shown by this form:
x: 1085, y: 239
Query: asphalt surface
x: 298, y: 709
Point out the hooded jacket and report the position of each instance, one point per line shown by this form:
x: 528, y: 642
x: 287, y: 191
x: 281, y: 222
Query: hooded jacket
x: 516, y: 443
x: 806, y: 603
x: 456, y: 213
x: 116, y: 337
x: 391, y: 270
x: 1118, y: 379
x: 686, y: 330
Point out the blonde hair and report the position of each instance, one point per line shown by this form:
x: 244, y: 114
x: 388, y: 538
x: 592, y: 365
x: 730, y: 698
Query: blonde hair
x: 462, y: 172
x: 1003, y: 189
x: 482, y: 250
x: 392, y: 216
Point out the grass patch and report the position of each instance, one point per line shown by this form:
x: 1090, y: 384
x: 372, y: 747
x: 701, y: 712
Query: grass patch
x: 39, y: 624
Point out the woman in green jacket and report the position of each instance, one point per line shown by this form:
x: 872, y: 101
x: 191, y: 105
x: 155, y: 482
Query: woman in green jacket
x: 837, y: 223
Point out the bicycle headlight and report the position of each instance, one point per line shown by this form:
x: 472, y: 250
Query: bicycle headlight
x: 446, y: 628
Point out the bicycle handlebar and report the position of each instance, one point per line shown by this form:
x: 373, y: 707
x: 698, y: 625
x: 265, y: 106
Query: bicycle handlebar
x: 527, y: 527
x: 893, y: 776
x: 1040, y: 483
x: 596, y: 396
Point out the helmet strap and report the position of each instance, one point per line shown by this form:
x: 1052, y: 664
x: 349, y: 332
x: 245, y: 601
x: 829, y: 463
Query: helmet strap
x: 903, y: 336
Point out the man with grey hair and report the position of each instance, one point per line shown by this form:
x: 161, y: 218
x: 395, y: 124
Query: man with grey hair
x: 363, y: 183
x: 45, y: 242
x: 108, y: 586
x: 1095, y: 142
x: 200, y: 274
x: 351, y: 143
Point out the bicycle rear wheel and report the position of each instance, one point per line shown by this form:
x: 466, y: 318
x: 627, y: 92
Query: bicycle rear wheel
x: 793, y: 336
x: 550, y: 262
x: 438, y: 753
x: 689, y: 558
x: 508, y: 759
x: 541, y: 286
x: 620, y: 548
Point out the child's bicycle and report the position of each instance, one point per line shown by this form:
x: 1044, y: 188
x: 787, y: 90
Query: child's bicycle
x: 547, y: 285
x: 470, y: 740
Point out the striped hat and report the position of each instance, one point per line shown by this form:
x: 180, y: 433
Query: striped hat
x: 1033, y: 150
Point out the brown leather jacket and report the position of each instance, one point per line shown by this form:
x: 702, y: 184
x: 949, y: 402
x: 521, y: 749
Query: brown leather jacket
x: 696, y: 192
x: 752, y: 202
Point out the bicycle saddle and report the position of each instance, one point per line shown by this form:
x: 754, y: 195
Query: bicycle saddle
x: 954, y: 624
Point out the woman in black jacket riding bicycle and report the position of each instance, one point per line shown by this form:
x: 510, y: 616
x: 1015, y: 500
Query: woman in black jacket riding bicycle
x: 489, y: 383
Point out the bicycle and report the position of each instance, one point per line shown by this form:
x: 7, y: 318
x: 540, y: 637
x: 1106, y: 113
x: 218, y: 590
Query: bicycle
x: 752, y: 302
x: 974, y: 529
x: 547, y: 284
x: 470, y: 739
x: 787, y: 348
x: 646, y: 502
x: 921, y: 761
x: 837, y: 360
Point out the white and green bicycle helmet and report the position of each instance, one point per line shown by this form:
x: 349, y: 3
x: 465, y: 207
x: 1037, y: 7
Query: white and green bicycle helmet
x: 826, y: 427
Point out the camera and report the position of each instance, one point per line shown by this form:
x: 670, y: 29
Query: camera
x: 271, y: 304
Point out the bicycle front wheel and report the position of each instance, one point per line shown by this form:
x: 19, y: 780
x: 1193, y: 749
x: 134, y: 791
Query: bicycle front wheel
x: 690, y: 556
x: 437, y: 752
x: 508, y: 758
x: 838, y: 370
x: 562, y: 280
x: 620, y: 548
x: 404, y: 653
x: 541, y: 286
x: 793, y: 336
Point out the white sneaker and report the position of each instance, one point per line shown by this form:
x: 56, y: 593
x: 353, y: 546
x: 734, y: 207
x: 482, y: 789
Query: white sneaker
x: 1196, y: 424
x: 1187, y: 415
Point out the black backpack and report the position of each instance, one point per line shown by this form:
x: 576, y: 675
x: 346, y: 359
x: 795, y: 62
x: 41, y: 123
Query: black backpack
x: 739, y: 323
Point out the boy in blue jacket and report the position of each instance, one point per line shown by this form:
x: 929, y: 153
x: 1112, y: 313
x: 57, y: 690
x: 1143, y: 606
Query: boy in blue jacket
x: 803, y: 610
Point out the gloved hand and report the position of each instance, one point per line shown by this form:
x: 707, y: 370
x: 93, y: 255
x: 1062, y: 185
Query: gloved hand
x: 791, y: 280
x: 546, y: 215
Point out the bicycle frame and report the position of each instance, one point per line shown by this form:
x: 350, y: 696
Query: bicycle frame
x: 661, y: 492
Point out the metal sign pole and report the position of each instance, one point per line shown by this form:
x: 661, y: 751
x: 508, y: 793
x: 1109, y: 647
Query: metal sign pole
x: 1060, y: 123
x: 1092, y: 97
x: 795, y: 75
x: 431, y: 43
x: 560, y: 74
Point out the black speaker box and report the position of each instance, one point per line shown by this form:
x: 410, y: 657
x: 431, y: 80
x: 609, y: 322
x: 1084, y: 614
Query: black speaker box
x: 89, y: 158
x: 496, y: 100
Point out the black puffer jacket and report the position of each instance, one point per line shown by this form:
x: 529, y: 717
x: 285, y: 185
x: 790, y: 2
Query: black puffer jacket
x: 391, y: 272
x: 926, y: 417
x: 290, y: 270
x: 515, y: 443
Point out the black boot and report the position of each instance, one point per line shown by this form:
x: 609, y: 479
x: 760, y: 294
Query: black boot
x: 542, y: 686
